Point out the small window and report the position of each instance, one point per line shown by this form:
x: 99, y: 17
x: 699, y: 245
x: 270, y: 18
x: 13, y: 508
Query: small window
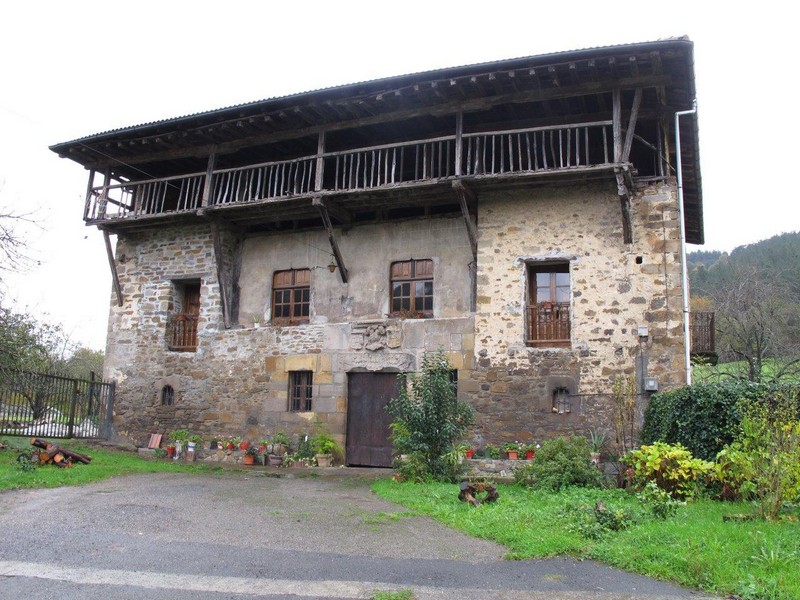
x: 167, y: 395
x: 182, y: 327
x: 548, y: 305
x: 300, y: 383
x: 412, y: 289
x: 561, y: 401
x: 291, y: 296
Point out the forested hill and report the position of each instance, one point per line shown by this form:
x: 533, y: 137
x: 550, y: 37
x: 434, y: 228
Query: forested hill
x: 777, y: 257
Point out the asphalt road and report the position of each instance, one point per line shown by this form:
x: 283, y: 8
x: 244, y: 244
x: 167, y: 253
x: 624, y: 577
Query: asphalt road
x: 245, y: 535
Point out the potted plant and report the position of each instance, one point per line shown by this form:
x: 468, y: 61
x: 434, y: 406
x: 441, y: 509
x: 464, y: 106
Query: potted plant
x: 597, y: 444
x: 466, y: 450
x: 233, y: 442
x: 491, y: 451
x: 280, y: 442
x: 250, y: 454
x: 512, y: 450
x: 530, y: 450
x: 170, y: 450
x: 180, y: 437
x: 325, y: 448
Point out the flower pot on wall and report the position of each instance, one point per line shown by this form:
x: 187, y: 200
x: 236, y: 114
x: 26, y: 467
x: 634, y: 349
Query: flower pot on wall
x: 275, y: 460
x: 324, y: 460
x: 512, y: 454
x: 249, y: 459
x: 529, y: 454
x: 469, y: 453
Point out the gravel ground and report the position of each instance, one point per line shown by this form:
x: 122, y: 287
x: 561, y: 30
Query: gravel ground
x: 243, y: 534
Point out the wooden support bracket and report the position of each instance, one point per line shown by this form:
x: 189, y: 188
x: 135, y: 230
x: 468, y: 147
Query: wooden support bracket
x: 326, y: 220
x: 112, y: 263
x: 466, y: 197
x: 624, y: 188
x: 340, y: 214
x: 222, y: 274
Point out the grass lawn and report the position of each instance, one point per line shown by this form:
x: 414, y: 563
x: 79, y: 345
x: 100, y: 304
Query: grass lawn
x: 695, y: 548
x: 105, y: 463
x: 723, y: 372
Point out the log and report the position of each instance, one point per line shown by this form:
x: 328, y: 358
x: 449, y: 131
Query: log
x: 43, y: 444
x: 469, y: 492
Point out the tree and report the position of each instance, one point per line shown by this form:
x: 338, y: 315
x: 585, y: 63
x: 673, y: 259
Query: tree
x: 758, y: 323
x: 428, y: 418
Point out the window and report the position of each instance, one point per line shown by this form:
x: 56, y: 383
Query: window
x: 167, y: 395
x: 561, y: 401
x: 291, y: 296
x: 548, y: 305
x: 300, y: 390
x: 412, y: 289
x: 182, y: 327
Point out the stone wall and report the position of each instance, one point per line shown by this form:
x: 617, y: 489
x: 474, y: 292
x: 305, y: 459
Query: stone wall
x: 615, y: 289
x: 237, y: 380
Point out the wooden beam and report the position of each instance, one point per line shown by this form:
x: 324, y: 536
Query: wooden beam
x: 320, y: 168
x: 222, y: 278
x: 459, y: 141
x: 616, y: 120
x: 624, y: 191
x: 337, y: 256
x: 112, y: 263
x: 212, y: 158
x: 637, y: 101
x: 462, y: 191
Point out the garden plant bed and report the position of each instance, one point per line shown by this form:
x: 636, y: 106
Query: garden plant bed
x: 694, y: 548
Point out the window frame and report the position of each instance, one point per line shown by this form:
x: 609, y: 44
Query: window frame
x: 548, y: 321
x: 291, y: 289
x: 301, y: 396
x: 411, y: 273
x: 182, y: 326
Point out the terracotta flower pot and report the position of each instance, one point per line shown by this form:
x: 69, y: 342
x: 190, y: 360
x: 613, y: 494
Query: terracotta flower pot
x: 512, y: 454
x: 529, y: 454
x: 170, y: 451
x: 469, y: 453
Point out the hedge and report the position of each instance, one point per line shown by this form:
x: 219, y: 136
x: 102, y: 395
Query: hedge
x: 703, y: 417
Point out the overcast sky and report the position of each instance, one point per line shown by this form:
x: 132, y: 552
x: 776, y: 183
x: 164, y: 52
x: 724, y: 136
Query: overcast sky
x: 71, y: 69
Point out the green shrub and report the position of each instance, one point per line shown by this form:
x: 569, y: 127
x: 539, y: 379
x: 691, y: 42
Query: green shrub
x: 661, y: 504
x: 672, y: 468
x: 428, y: 418
x: 703, y: 418
x: 763, y: 463
x: 595, y: 521
x: 559, y: 463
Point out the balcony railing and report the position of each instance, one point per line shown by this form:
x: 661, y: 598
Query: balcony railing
x: 703, y: 333
x: 548, y: 324
x: 488, y: 154
x: 182, y: 333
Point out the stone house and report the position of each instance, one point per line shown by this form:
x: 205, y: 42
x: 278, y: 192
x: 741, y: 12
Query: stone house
x: 277, y: 263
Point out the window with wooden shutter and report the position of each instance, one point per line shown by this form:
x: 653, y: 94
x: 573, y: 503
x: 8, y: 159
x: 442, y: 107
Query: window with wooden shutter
x: 412, y: 289
x: 291, y: 296
x: 182, y: 325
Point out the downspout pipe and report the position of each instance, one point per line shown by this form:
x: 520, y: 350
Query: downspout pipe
x: 684, y: 267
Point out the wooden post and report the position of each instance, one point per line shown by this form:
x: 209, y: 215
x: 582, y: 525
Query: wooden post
x: 616, y: 118
x: 326, y: 220
x: 637, y: 101
x: 88, y: 203
x: 212, y: 159
x: 222, y: 280
x: 320, y: 168
x: 113, y: 265
x: 459, y: 141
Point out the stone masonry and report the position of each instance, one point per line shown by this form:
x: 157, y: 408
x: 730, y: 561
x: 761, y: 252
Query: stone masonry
x: 237, y: 380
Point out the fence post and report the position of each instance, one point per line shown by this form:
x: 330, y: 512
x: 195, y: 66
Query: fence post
x: 73, y: 401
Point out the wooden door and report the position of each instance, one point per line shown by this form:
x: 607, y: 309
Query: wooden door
x: 368, y: 442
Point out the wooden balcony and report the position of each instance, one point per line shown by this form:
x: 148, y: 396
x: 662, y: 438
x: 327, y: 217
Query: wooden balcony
x: 182, y: 333
x: 548, y: 324
x: 703, y: 338
x: 498, y: 155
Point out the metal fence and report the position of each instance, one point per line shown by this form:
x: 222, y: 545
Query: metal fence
x: 38, y: 404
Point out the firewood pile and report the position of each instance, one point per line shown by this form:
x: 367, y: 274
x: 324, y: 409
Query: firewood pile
x: 53, y: 454
x: 469, y: 492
